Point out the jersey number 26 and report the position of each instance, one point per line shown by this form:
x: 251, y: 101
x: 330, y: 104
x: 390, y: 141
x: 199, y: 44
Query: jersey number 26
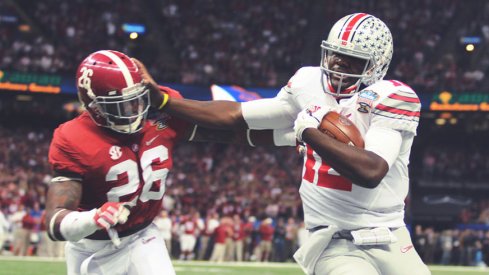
x: 150, y: 176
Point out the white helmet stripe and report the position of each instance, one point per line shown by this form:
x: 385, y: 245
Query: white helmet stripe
x: 344, y: 24
x: 122, y: 66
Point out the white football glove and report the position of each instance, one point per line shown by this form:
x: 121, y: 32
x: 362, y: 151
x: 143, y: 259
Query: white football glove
x: 110, y: 214
x: 310, y: 117
x: 77, y: 225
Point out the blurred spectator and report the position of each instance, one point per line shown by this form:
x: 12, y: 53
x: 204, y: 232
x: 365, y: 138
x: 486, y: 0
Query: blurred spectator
x: 190, y: 226
x: 249, y: 242
x: 222, y: 233
x: 21, y: 239
x: 420, y: 241
x: 290, y: 238
x: 278, y: 252
x: 266, y: 236
x: 302, y: 234
x: 4, y: 228
x: 164, y: 224
x: 238, y: 236
x: 204, y: 42
x: 207, y: 238
x: 446, y: 243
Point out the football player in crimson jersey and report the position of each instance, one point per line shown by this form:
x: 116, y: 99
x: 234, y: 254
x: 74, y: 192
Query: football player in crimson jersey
x: 344, y: 188
x: 110, y: 166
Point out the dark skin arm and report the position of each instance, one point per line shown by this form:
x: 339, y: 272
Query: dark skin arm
x: 363, y: 168
x: 219, y: 121
x: 61, y: 195
x: 217, y: 114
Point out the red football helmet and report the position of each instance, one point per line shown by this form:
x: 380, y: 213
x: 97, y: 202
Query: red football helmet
x: 110, y: 88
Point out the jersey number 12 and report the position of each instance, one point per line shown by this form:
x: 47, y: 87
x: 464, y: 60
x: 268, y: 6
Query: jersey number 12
x: 321, y: 174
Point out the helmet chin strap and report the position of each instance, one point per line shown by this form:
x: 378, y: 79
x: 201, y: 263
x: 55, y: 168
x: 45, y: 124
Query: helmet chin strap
x: 338, y: 93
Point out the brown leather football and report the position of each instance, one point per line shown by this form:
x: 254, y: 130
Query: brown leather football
x: 342, y: 129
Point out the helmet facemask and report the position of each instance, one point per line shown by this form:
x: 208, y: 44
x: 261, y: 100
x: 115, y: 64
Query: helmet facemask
x: 341, y: 89
x: 360, y: 36
x: 123, y: 113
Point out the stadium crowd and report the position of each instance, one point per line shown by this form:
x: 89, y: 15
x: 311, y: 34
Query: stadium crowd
x: 458, y: 164
x: 236, y: 203
x: 206, y: 42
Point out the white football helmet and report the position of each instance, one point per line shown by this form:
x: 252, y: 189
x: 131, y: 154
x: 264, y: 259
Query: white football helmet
x: 362, y: 36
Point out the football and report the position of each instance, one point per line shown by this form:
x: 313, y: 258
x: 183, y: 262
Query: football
x: 342, y: 129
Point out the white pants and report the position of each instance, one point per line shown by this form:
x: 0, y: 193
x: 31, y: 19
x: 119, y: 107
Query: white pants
x: 3, y: 236
x: 143, y: 253
x: 187, y: 242
x: 400, y: 258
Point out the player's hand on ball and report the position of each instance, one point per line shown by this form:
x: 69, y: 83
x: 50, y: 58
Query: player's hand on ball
x: 342, y: 129
x: 309, y: 118
x: 110, y: 214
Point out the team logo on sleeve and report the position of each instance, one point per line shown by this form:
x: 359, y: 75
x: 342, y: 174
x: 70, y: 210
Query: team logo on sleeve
x: 365, y: 101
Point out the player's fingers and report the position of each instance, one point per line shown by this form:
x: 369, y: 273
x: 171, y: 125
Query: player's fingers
x: 109, y: 218
x: 148, y: 80
x: 112, y: 210
x: 140, y: 65
x: 123, y: 215
x: 143, y: 71
x: 102, y: 223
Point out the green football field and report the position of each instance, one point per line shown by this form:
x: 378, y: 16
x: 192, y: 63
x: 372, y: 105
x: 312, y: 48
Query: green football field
x: 42, y: 266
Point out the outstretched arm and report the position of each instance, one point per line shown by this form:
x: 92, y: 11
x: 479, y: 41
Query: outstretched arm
x: 218, y: 114
x: 270, y: 113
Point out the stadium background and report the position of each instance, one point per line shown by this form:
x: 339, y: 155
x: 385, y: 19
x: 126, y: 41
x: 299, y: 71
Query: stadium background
x: 249, y: 49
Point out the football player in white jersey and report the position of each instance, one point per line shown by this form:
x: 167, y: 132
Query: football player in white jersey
x: 353, y: 197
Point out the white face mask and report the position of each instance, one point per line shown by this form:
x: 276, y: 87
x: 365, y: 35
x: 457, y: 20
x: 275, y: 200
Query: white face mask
x: 337, y: 79
x: 124, y: 113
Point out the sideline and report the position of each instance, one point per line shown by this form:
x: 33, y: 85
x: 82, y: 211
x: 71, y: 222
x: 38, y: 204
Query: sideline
x: 242, y: 264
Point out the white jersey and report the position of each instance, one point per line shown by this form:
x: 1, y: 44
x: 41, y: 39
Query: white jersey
x: 327, y: 197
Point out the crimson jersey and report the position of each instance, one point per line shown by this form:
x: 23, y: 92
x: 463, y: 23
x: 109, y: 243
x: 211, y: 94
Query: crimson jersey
x: 190, y: 227
x: 117, y: 167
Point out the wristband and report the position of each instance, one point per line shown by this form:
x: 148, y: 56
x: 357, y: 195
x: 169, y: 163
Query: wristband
x: 78, y: 225
x: 164, y: 101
